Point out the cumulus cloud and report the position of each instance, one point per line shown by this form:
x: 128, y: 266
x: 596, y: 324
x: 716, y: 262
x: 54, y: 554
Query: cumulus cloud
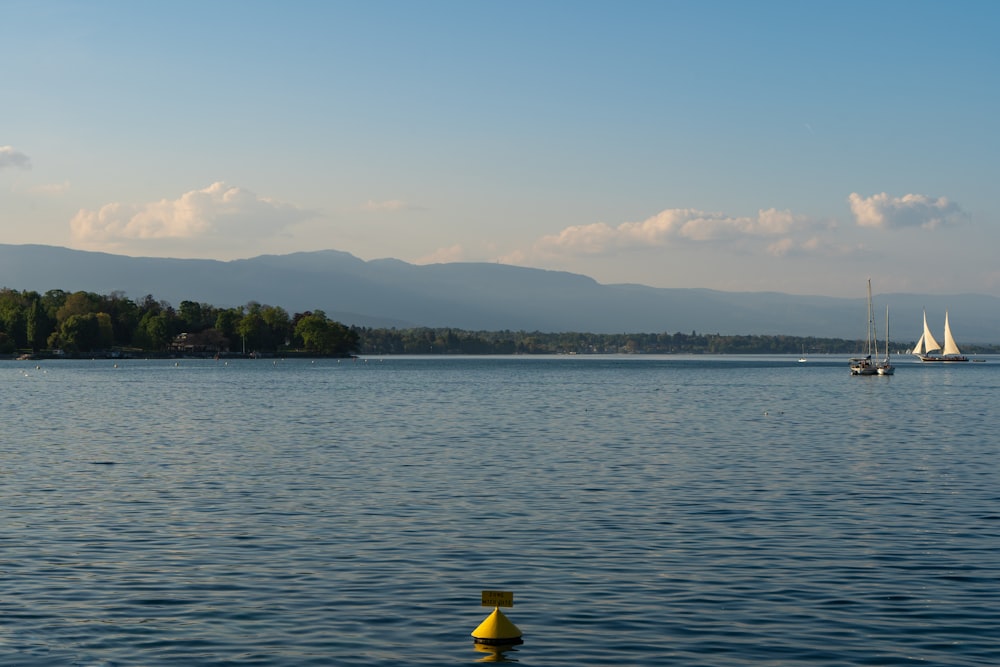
x: 10, y: 157
x: 782, y: 247
x: 664, y: 227
x: 908, y: 211
x: 216, y: 212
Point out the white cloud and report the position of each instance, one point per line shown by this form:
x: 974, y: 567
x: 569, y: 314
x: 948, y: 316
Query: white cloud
x: 814, y: 246
x: 666, y: 226
x: 781, y: 247
x: 455, y: 253
x: 9, y: 157
x: 218, y: 212
x: 908, y: 211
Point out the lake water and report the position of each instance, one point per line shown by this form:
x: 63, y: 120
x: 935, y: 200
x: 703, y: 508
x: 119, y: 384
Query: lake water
x: 643, y: 510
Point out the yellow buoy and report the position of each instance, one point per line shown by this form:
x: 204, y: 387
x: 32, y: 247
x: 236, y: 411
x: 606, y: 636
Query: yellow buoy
x: 497, y: 629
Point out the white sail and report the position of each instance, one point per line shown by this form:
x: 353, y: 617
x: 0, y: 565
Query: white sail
x: 949, y: 342
x: 927, y: 342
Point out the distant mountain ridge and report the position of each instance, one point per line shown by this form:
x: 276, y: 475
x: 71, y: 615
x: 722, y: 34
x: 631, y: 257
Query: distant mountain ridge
x: 482, y: 296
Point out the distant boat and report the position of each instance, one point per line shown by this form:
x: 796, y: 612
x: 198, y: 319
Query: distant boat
x: 927, y: 344
x: 885, y: 366
x: 803, y: 359
x: 865, y: 365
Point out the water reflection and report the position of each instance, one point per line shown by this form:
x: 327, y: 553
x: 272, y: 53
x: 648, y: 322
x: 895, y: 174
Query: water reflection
x: 497, y: 653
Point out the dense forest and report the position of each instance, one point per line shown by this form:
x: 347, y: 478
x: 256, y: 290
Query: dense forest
x: 60, y: 323
x: 85, y: 324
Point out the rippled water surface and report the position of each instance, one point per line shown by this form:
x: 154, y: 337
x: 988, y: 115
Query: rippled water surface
x: 644, y: 510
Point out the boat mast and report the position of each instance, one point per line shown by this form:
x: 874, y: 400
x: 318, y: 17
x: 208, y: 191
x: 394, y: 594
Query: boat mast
x: 871, y: 322
x: 887, y: 334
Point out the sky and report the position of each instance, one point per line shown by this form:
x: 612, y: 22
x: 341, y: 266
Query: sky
x: 787, y: 146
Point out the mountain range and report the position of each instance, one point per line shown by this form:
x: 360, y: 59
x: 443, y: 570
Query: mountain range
x: 484, y: 296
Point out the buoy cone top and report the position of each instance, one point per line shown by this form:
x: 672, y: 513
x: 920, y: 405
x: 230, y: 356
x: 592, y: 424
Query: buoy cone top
x: 497, y: 629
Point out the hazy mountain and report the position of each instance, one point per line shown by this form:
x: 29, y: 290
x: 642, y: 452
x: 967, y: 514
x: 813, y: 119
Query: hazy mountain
x: 480, y: 296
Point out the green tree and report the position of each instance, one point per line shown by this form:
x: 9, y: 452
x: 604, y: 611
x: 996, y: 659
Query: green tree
x: 80, y: 333
x: 105, y: 331
x: 278, y: 326
x: 125, y: 316
x: 227, y: 320
x: 79, y: 303
x: 193, y: 316
x: 154, y: 332
x: 13, y: 316
x: 51, y: 302
x: 35, y: 327
x: 321, y: 335
x: 251, y: 329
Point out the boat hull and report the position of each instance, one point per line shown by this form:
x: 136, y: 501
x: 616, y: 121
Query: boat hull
x: 942, y: 358
x: 863, y: 367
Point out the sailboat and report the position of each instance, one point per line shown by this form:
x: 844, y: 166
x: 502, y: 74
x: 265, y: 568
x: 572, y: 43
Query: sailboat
x: 865, y: 365
x: 885, y: 366
x: 927, y: 344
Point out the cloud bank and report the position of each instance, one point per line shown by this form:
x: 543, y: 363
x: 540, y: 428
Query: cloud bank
x: 10, y: 157
x: 773, y: 232
x: 906, y: 212
x: 665, y: 227
x: 216, y: 213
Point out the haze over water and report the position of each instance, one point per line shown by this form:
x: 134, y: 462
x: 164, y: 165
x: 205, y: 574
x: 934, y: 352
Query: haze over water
x: 643, y: 510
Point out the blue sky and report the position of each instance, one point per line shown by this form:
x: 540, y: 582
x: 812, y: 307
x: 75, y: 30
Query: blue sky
x: 798, y: 147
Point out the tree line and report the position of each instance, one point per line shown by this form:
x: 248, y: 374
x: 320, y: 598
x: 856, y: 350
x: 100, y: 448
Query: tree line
x: 88, y: 324
x: 456, y: 341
